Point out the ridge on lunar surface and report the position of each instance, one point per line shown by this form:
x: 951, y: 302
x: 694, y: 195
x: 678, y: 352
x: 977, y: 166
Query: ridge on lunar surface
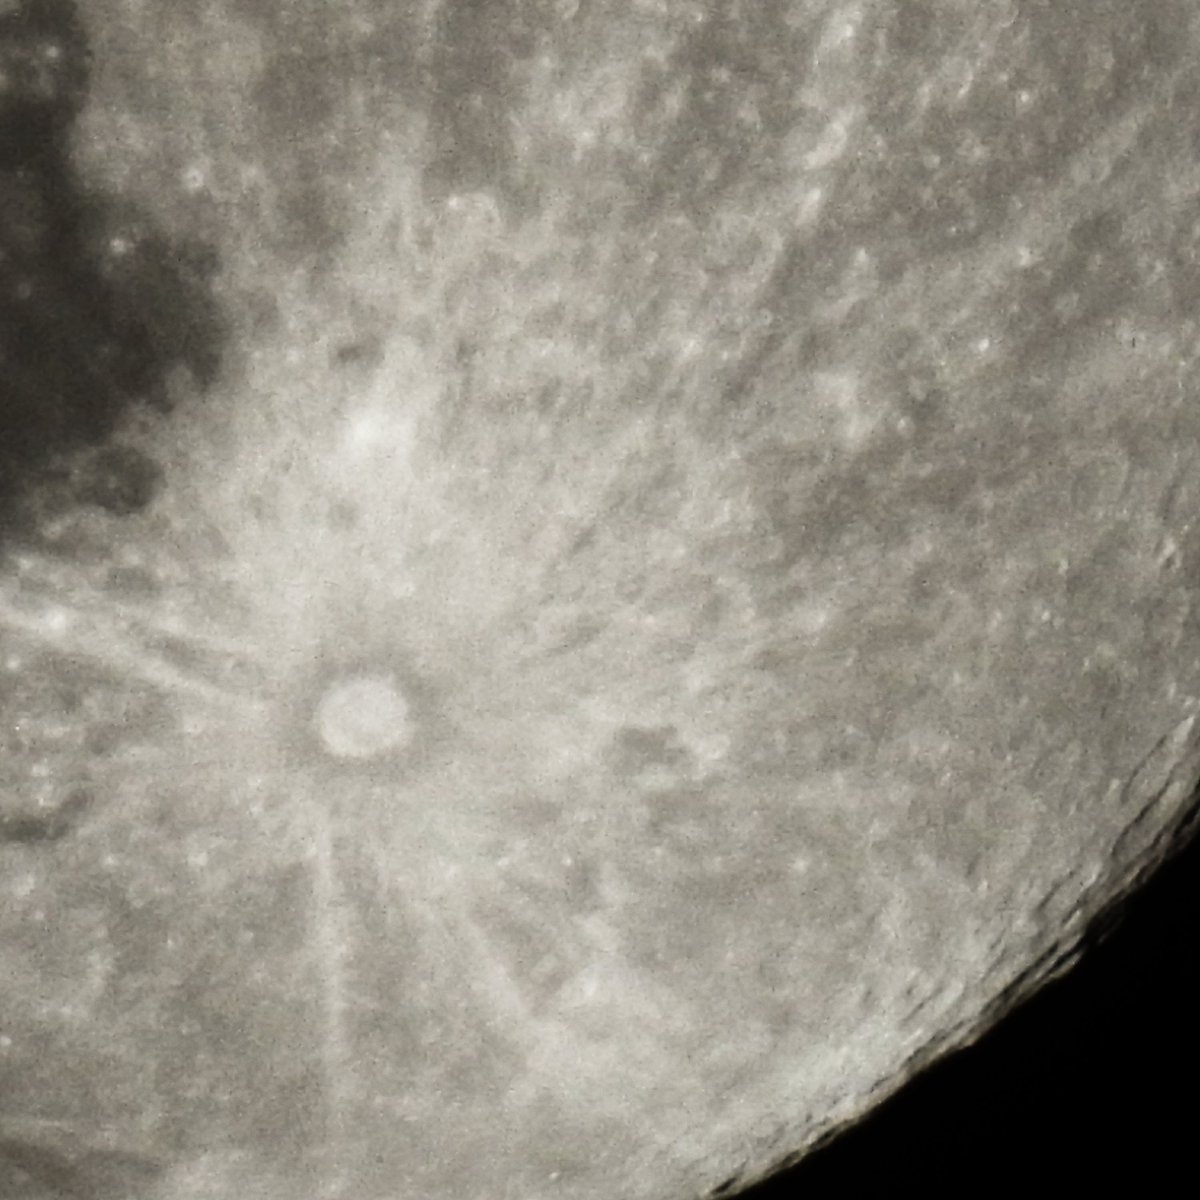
x: 767, y: 475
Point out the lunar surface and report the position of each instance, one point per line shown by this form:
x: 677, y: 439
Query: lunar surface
x: 631, y: 580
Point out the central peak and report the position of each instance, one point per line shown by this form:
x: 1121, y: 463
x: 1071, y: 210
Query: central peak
x: 362, y: 717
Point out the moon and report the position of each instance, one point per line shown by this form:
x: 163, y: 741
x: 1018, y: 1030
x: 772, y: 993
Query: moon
x: 617, y: 578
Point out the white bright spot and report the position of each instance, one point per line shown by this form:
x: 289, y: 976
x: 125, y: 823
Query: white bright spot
x: 363, y: 717
x: 809, y: 206
x: 380, y: 433
x: 383, y: 425
x: 56, y: 620
x: 811, y: 619
x: 194, y: 179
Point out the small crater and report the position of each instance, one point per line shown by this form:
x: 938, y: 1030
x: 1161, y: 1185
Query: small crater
x: 41, y: 826
x: 362, y: 352
x: 726, y: 1188
x: 119, y: 479
x: 344, y: 516
x: 652, y: 758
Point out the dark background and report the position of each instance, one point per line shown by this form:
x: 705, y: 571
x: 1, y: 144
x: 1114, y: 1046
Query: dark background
x: 1089, y: 1085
